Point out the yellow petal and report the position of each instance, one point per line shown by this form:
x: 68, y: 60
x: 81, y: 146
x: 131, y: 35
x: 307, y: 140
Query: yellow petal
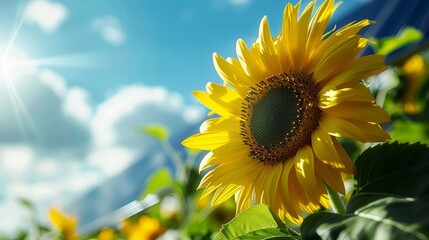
x: 237, y: 66
x: 65, y: 224
x: 301, y: 50
x: 325, y: 149
x: 341, y: 128
x: 205, y: 99
x: 266, y: 185
x: 294, y: 30
x: 291, y: 195
x: 356, y: 92
x: 230, y: 74
x: 239, y: 173
x: 250, y: 64
x: 341, y: 34
x: 324, y: 201
x: 319, y: 23
x: 206, y: 162
x: 290, y: 16
x: 348, y: 162
x: 301, y: 196
x: 220, y: 124
x: 209, y: 189
x: 284, y: 58
x: 361, y: 111
x: 210, y: 140
x: 225, y: 96
x: 224, y: 193
x: 305, y: 172
x: 346, y: 31
x: 358, y: 69
x: 234, y: 151
x: 56, y: 218
x: 332, y: 177
x: 357, y: 130
x: 334, y: 57
x: 243, y: 198
x: 268, y: 51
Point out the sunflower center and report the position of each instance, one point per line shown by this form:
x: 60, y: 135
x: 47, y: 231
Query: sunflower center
x: 274, y: 116
x: 278, y: 116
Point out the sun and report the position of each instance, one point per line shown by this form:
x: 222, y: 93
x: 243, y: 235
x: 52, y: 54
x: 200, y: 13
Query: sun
x: 14, y: 63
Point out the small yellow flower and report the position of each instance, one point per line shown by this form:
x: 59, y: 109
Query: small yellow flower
x: 414, y: 70
x: 65, y: 224
x: 145, y: 229
x: 106, y: 234
x: 284, y: 101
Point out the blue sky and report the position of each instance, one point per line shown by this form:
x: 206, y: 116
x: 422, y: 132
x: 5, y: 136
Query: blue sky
x: 77, y: 78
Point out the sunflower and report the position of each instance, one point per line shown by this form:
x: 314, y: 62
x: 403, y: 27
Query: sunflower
x: 282, y: 105
x: 64, y: 223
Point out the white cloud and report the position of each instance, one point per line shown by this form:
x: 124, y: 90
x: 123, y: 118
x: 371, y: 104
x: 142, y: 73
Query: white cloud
x: 48, y: 167
x: 53, y: 80
x: 40, y: 144
x: 76, y: 104
x: 37, y: 191
x: 112, y: 160
x: 54, y: 145
x: 79, y: 182
x: 47, y: 14
x: 193, y: 114
x: 117, y: 119
x: 15, y: 160
x: 36, y: 105
x: 110, y: 29
x: 14, y: 214
x: 75, y: 147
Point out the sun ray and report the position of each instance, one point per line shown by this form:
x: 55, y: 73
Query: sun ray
x: 26, y: 124
x: 84, y: 60
x: 16, y: 29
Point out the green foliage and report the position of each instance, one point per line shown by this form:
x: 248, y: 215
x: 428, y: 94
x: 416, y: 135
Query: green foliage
x: 192, y: 181
x: 410, y: 131
x: 159, y: 132
x: 385, y: 218
x: 26, y: 203
x: 388, y: 204
x: 395, y: 169
x: 257, y: 222
x: 158, y: 181
x: 407, y: 36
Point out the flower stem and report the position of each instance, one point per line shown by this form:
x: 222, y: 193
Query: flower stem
x: 337, y: 203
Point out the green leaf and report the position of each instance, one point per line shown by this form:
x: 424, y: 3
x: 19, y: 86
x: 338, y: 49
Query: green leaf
x: 410, y: 131
x: 159, y: 180
x: 159, y: 132
x: 391, y: 198
x: 26, y: 203
x: 373, y: 217
x: 395, y: 168
x: 407, y: 36
x: 256, y: 222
